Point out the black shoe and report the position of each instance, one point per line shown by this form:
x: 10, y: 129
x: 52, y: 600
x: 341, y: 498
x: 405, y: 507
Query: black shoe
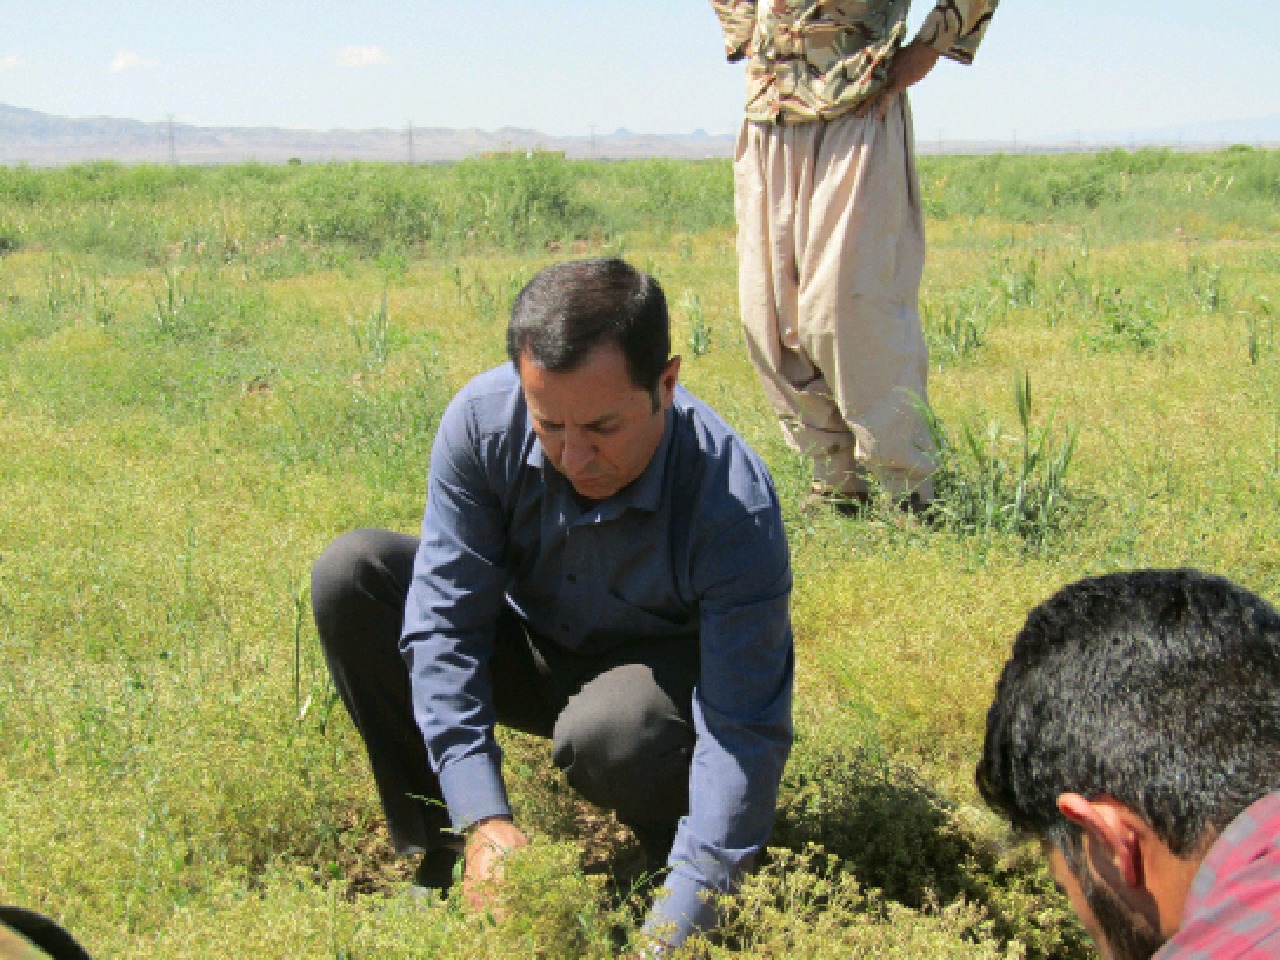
x: 435, y: 873
x: 856, y: 504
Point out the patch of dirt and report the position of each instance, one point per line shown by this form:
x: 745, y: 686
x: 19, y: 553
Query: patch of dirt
x: 367, y: 861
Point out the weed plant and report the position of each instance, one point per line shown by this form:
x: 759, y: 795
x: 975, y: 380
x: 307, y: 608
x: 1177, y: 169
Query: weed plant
x: 373, y: 337
x: 690, y: 309
x: 1123, y: 321
x: 957, y: 329
x: 802, y: 905
x: 1260, y: 331
x: 989, y: 482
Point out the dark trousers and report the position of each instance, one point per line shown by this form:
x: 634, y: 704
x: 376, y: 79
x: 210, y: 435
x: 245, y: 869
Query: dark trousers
x: 620, y: 724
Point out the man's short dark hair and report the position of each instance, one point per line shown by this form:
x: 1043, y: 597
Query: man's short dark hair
x: 569, y: 308
x: 1160, y: 688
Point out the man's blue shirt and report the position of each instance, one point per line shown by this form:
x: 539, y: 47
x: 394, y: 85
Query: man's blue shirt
x: 693, y: 547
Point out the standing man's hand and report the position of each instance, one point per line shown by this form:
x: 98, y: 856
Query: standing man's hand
x: 488, y: 842
x: 909, y: 66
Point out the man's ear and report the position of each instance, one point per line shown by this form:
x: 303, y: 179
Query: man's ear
x: 1116, y: 835
x: 667, y: 381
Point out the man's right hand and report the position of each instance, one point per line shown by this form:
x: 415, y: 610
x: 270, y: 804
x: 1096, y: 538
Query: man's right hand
x: 908, y: 67
x: 488, y: 842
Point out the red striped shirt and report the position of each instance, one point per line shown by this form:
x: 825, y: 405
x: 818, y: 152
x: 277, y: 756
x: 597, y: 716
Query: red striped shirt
x: 1233, y: 909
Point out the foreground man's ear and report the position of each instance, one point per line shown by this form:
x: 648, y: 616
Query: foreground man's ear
x: 1113, y: 840
x: 1124, y: 851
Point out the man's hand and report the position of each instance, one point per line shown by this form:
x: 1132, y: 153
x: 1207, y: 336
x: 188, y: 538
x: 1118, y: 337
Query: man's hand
x: 488, y: 842
x: 909, y: 66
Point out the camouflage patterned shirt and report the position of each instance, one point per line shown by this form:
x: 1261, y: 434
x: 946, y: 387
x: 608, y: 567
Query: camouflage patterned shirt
x: 818, y: 59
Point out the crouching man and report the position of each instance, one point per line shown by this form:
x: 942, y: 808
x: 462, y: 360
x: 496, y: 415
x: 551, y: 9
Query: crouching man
x: 603, y: 563
x: 1136, y: 732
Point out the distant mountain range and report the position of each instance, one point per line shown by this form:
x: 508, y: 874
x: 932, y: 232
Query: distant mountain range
x: 1258, y: 131
x: 41, y: 139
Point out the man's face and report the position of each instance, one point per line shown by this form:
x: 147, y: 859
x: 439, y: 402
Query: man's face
x: 596, y: 427
x: 1120, y: 932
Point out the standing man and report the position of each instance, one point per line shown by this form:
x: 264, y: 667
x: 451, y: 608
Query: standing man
x: 602, y: 563
x: 1136, y: 732
x: 830, y: 228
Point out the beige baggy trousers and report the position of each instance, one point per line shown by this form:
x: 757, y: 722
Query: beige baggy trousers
x: 830, y: 254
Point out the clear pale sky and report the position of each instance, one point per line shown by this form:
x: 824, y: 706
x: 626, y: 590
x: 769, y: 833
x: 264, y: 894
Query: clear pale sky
x: 1048, y: 69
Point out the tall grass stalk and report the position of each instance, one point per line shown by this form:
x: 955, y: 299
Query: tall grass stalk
x: 989, y: 481
x: 373, y: 338
x: 699, y: 327
x: 956, y: 330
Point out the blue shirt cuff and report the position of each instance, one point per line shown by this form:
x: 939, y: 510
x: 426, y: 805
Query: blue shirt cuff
x: 473, y: 789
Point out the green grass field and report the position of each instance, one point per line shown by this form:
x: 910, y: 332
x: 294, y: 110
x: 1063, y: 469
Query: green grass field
x: 207, y: 374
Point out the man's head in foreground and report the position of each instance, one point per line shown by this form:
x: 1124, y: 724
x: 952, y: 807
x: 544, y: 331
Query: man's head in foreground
x: 1137, y: 717
x: 591, y: 341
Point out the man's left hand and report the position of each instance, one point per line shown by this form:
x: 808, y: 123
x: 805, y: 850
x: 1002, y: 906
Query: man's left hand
x: 909, y: 66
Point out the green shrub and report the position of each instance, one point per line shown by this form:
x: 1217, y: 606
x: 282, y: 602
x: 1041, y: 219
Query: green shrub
x: 956, y: 329
x: 990, y: 482
x: 1123, y: 321
x: 873, y: 838
x: 802, y: 906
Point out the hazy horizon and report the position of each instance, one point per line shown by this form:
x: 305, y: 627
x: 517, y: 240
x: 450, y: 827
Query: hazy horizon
x: 574, y: 69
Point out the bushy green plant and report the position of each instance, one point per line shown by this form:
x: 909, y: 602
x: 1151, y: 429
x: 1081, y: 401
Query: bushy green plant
x: 804, y: 905
x: 192, y: 305
x: 1122, y: 321
x: 865, y: 826
x: 990, y: 482
x: 523, y: 200
x: 956, y: 329
x: 9, y: 239
x: 489, y: 301
x: 882, y: 823
x: 690, y: 310
x: 684, y: 196
x: 373, y: 337
x: 1119, y: 193
x: 553, y: 911
x: 361, y: 205
x: 1016, y: 284
x: 1260, y: 330
x: 1205, y: 283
